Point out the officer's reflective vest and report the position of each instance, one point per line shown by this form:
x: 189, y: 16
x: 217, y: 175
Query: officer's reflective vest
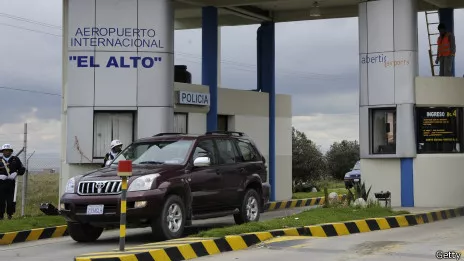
x: 444, y: 47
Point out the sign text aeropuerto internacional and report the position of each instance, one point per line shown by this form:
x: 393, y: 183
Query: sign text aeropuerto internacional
x: 115, y: 37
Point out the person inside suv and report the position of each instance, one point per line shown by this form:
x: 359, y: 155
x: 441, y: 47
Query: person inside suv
x: 115, y: 149
x: 176, y: 179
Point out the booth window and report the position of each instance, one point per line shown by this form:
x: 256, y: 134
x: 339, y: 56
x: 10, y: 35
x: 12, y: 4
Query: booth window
x: 439, y: 129
x: 222, y: 123
x: 383, y: 131
x: 109, y: 126
x: 181, y: 122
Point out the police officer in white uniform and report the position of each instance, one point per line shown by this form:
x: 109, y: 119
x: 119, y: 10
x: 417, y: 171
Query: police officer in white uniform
x: 116, y: 148
x: 10, y: 167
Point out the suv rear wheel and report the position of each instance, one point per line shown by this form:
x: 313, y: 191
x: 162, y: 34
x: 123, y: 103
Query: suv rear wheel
x: 250, y: 208
x: 84, y: 232
x: 171, y: 221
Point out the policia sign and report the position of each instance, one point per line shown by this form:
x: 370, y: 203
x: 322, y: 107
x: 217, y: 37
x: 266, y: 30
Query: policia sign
x: 439, y: 129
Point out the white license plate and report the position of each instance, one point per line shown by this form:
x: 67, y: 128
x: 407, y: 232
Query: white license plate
x: 95, y: 209
x: 356, y: 180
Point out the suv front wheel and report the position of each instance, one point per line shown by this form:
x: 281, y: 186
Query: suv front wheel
x: 171, y: 221
x: 84, y: 232
x: 249, y: 210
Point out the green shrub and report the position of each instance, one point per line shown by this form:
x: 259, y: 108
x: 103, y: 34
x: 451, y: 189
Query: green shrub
x: 326, y: 197
x: 303, y: 188
x: 359, y: 192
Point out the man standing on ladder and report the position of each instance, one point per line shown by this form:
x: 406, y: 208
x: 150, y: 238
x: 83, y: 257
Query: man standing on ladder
x: 10, y: 167
x: 446, y: 50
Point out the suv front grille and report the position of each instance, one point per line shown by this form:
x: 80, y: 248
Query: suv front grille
x: 107, y: 187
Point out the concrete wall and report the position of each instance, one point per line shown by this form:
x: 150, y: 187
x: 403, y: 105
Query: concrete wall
x: 144, y: 89
x: 383, y: 175
x: 438, y: 178
x: 250, y: 115
x: 388, y: 64
x: 439, y: 91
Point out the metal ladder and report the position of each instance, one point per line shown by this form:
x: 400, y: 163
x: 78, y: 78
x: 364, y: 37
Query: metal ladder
x: 432, y: 42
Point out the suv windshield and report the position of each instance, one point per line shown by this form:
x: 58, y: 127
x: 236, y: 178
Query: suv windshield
x: 157, y: 152
x: 357, y: 166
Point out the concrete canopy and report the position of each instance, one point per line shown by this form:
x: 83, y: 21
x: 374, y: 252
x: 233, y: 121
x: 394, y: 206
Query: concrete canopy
x: 246, y: 12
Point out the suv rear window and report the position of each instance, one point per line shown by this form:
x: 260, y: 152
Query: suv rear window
x: 227, y: 151
x: 248, y: 151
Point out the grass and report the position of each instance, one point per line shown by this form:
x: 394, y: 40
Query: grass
x: 301, y: 195
x: 332, y: 186
x: 41, y: 188
x: 26, y: 223
x: 309, y: 217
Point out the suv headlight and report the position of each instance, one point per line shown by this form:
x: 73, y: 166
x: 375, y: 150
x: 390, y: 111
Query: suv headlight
x: 71, y: 185
x: 143, y: 183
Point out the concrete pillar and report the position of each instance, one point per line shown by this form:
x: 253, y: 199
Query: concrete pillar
x: 219, y: 71
x: 447, y: 17
x: 388, y: 67
x: 209, y: 74
x: 266, y: 83
x: 117, y: 56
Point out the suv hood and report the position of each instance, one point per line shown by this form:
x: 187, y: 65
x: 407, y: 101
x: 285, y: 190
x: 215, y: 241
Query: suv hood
x: 137, y: 170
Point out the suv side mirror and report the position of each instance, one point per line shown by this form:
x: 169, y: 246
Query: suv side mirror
x: 201, y: 162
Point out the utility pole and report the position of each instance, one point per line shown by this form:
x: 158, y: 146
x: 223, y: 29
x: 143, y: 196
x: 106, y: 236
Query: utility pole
x: 23, y: 192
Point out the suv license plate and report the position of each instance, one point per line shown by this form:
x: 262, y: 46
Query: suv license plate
x: 95, y: 209
x: 356, y: 180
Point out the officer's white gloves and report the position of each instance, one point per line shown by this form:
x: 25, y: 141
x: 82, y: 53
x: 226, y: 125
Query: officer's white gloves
x: 3, y: 177
x: 13, y: 175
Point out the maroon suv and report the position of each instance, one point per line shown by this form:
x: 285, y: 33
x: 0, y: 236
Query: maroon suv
x: 176, y: 178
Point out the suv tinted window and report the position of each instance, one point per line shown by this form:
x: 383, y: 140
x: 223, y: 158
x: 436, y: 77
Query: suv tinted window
x: 227, y: 151
x: 206, y: 148
x: 248, y: 151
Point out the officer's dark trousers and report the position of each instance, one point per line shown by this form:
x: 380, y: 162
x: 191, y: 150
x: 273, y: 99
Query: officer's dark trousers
x: 6, y: 197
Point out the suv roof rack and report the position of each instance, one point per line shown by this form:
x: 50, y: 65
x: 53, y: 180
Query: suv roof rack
x: 241, y: 134
x: 167, y: 133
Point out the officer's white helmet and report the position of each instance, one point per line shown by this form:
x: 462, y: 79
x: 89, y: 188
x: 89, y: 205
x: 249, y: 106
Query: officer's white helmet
x: 7, y: 147
x: 116, y: 143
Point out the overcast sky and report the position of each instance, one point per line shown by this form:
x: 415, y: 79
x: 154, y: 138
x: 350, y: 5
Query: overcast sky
x: 317, y: 63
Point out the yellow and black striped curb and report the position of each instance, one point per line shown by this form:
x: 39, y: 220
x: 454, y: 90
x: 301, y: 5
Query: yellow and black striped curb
x: 296, y: 203
x: 61, y: 231
x: 33, y: 234
x: 177, y: 252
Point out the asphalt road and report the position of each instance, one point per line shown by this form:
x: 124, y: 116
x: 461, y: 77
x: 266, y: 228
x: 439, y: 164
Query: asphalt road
x: 418, y: 243
x: 66, y: 249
